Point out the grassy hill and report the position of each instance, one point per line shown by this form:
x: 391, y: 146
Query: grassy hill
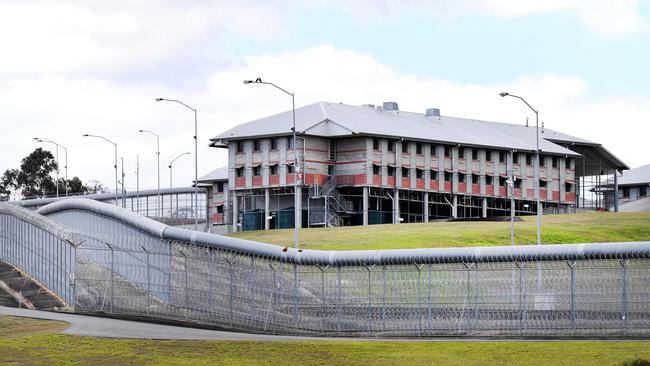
x: 556, y: 229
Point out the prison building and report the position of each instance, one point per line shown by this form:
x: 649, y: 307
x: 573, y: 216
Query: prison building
x: 632, y: 189
x: 360, y: 165
x: 218, y: 199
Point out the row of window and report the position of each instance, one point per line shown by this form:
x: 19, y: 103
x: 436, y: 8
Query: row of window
x: 474, y: 153
x: 257, y: 170
x: 642, y: 191
x: 274, y: 144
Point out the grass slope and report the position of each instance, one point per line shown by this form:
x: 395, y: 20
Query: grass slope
x: 556, y: 229
x: 22, y: 342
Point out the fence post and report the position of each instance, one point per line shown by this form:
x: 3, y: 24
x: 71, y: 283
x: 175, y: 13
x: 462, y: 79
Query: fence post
x: 419, y: 268
x: 338, y: 298
x: 230, y: 289
x: 252, y: 287
x: 624, y: 264
x: 383, y: 298
x: 148, y: 281
x: 322, y: 301
x: 368, y: 310
x: 522, y: 296
x: 572, y: 265
x: 187, y: 298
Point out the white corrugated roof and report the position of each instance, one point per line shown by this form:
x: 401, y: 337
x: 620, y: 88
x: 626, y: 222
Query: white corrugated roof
x: 338, y: 120
x: 215, y: 175
x: 638, y: 175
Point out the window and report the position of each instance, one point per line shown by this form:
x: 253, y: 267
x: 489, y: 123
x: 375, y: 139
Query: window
x: 290, y: 142
x: 555, y: 162
x: 405, y: 172
x: 448, y: 177
x: 405, y: 147
x: 273, y: 170
x: 332, y: 150
x: 515, y: 158
x: 447, y: 151
x: 461, y: 178
x: 376, y: 169
x: 543, y: 184
x: 503, y: 181
x: 419, y: 173
x: 239, y: 172
x: 517, y: 183
x: 626, y: 192
x: 529, y: 159
x: 290, y: 168
x: 391, y: 171
x: 476, y: 179
x: 568, y: 163
x: 375, y: 144
x: 474, y: 154
x: 220, y: 187
x: 390, y: 145
x: 434, y: 175
x: 488, y: 155
x: 240, y: 146
x: 502, y: 156
x: 330, y: 170
x: 489, y: 180
x: 643, y: 191
x: 256, y: 145
x: 568, y: 187
x: 418, y: 149
x: 542, y: 160
x: 461, y: 153
x: 434, y: 149
x: 220, y: 209
x: 257, y: 170
x: 274, y: 144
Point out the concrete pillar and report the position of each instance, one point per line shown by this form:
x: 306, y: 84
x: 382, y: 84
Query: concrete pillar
x: 365, y: 205
x: 484, y: 213
x: 425, y: 206
x: 454, y: 207
x: 235, y: 213
x: 267, y: 209
x: 396, y: 207
x: 615, y: 191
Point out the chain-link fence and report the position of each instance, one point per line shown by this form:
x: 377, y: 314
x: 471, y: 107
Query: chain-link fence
x: 128, y: 265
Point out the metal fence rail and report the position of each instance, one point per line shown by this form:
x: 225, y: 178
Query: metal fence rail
x: 128, y: 264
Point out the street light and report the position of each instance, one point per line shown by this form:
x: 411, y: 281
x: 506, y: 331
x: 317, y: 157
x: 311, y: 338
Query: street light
x: 158, y: 158
x: 115, y: 166
x: 196, y: 160
x: 170, y: 167
x: 65, y: 149
x: 295, y: 157
x: 536, y: 183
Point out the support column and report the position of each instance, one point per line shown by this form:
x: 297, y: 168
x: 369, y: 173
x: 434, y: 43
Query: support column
x: 615, y: 191
x: 365, y: 205
x: 267, y: 209
x: 235, y: 212
x: 396, y: 207
x: 454, y: 207
x: 425, y: 207
x: 484, y: 213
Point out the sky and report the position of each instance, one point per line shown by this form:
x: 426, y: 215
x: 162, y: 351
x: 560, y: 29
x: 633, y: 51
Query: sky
x: 74, y: 67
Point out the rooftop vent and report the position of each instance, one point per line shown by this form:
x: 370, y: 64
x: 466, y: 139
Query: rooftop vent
x: 391, y: 106
x: 432, y: 112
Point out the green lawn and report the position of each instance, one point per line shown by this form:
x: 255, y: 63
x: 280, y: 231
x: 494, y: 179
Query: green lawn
x: 556, y: 229
x: 34, y: 342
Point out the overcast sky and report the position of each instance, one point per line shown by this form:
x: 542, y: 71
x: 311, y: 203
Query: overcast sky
x: 74, y: 67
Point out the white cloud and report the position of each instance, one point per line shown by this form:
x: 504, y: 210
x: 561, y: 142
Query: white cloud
x: 63, y: 108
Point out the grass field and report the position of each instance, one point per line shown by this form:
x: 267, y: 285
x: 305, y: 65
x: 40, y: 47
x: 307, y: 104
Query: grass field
x: 556, y: 229
x: 35, y: 342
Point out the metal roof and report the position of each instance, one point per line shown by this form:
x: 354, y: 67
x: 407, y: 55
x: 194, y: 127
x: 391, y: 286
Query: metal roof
x: 340, y: 120
x: 640, y: 175
x: 216, y: 175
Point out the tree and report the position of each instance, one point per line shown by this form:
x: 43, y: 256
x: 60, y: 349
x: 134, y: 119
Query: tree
x: 33, y: 178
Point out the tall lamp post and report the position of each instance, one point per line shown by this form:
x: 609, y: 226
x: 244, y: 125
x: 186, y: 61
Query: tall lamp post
x: 170, y: 168
x: 65, y: 150
x: 296, y: 218
x: 158, y: 158
x: 196, y: 160
x: 115, y: 166
x: 536, y: 185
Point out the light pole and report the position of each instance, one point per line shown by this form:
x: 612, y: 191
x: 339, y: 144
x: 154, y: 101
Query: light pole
x: 196, y: 160
x: 170, y: 168
x: 536, y: 183
x: 158, y: 158
x: 65, y: 150
x: 296, y: 173
x: 115, y: 166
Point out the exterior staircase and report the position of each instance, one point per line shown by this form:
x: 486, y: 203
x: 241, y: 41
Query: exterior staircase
x: 17, y: 290
x: 336, y: 206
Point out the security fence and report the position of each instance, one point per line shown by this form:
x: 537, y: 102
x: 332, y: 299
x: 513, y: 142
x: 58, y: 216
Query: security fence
x: 121, y: 263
